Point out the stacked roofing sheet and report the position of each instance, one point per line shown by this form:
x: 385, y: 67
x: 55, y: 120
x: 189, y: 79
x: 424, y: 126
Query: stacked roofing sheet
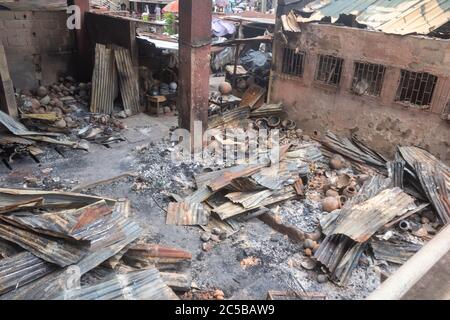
x: 389, y: 16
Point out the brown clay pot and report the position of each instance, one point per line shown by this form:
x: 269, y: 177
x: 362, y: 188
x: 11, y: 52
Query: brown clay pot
x: 332, y: 193
x: 343, y: 199
x: 330, y: 204
x: 225, y: 88
x: 349, y: 192
x: 337, y: 162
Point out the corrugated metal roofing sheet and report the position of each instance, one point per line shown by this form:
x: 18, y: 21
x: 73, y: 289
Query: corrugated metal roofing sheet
x: 390, y: 16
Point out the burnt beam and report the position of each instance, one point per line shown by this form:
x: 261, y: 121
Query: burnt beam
x: 194, y: 55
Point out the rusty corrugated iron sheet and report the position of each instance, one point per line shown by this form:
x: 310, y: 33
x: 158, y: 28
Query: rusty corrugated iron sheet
x: 21, y: 269
x: 128, y: 81
x: 433, y: 183
x: 50, y: 249
x: 52, y: 199
x: 229, y: 209
x: 67, y: 224
x: 361, y: 221
x: 390, y: 16
x: 249, y: 199
x: 104, y: 245
x: 163, y: 258
x: 8, y: 249
x: 412, y: 155
x: 139, y: 285
x: 186, y: 214
x: 104, y: 79
x: 277, y: 175
x: 394, y: 250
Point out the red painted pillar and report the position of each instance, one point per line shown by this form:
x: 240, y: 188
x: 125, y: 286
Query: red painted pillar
x: 194, y: 57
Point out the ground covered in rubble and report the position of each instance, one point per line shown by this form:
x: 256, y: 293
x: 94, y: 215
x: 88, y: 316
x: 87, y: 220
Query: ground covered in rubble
x: 246, y: 265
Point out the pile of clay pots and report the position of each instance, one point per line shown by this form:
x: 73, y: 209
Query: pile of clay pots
x: 57, y: 98
x: 337, y: 185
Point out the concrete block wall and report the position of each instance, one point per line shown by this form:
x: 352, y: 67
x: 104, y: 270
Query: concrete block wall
x: 38, y: 46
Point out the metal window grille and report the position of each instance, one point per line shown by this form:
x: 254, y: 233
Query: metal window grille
x: 416, y: 88
x: 293, y: 62
x: 329, y: 69
x: 368, y: 78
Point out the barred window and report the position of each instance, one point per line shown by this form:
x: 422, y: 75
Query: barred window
x: 329, y: 69
x: 293, y: 62
x: 368, y: 78
x: 416, y: 88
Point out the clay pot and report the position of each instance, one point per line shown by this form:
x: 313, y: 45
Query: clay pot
x: 337, y: 162
x: 60, y: 124
x: 273, y: 121
x: 41, y: 92
x: 315, y: 236
x: 225, y: 88
x: 261, y: 123
x: 288, y: 124
x: 349, y: 192
x: 308, y: 243
x: 308, y: 252
x: 343, y: 181
x: 332, y: 193
x: 330, y: 204
x: 343, y: 199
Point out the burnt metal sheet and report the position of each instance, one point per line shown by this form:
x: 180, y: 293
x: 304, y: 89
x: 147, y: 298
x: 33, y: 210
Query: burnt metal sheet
x: 161, y: 257
x: 390, y: 16
x: 355, y: 150
x: 252, y: 95
x: 229, y: 227
x: 104, y: 245
x: 229, y: 117
x: 128, y: 81
x: 21, y: 269
x: 277, y: 175
x: 139, y: 285
x: 104, y: 80
x: 308, y: 152
x: 362, y: 220
x: 267, y: 110
x: 8, y: 249
x: 433, y: 183
x: 52, y: 199
x: 186, y: 214
x: 249, y: 199
x: 66, y: 224
x: 50, y: 249
x: 229, y: 209
x: 394, y: 250
x: 18, y: 128
x: 228, y: 176
x: 35, y: 202
x: 199, y: 195
x: 414, y: 154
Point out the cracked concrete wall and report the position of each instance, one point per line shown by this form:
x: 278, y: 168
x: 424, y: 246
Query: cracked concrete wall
x: 379, y: 121
x: 38, y: 46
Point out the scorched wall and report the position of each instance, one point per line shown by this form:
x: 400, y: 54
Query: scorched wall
x: 380, y: 121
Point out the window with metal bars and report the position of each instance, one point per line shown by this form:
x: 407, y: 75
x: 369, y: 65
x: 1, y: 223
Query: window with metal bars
x: 293, y: 62
x: 416, y: 88
x: 368, y: 78
x: 329, y: 69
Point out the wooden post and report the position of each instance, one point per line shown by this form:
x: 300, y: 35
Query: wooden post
x: 7, y: 98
